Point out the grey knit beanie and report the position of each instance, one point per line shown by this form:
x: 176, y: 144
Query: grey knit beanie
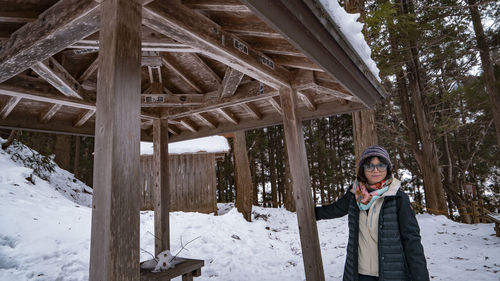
x: 375, y: 150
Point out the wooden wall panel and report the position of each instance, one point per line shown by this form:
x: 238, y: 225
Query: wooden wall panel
x: 192, y: 182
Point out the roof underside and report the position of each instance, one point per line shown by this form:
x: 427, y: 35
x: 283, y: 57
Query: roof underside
x: 209, y: 67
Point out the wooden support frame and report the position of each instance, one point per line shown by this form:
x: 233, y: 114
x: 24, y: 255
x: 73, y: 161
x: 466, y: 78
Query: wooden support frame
x: 228, y: 115
x: 276, y: 105
x: 292, y: 125
x: 46, y: 115
x: 59, y: 26
x: 207, y: 119
x: 174, y: 67
x: 161, y: 188
x: 252, y: 110
x: 9, y: 106
x: 54, y: 73
x: 230, y: 83
x: 114, y: 248
x: 191, y: 28
x: 84, y: 117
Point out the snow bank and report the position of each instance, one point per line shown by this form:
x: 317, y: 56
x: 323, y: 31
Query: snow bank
x: 212, y: 144
x: 351, y: 29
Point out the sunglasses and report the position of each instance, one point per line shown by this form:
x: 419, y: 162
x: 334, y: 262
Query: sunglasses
x: 381, y: 167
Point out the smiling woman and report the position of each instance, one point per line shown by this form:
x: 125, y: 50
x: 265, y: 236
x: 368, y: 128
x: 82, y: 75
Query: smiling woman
x: 384, y: 236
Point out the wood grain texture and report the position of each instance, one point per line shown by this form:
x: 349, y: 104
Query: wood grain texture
x: 58, y: 27
x: 9, y: 106
x: 46, y: 115
x: 189, y: 27
x: 244, y: 185
x: 292, y: 126
x: 188, y: 266
x: 230, y: 83
x: 161, y: 186
x: 54, y: 73
x: 114, y: 249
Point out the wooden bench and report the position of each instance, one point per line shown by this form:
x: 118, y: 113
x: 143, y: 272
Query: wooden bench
x: 494, y: 217
x: 188, y: 268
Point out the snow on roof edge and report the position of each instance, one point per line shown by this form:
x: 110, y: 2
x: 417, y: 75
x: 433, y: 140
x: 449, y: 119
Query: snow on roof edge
x: 213, y: 144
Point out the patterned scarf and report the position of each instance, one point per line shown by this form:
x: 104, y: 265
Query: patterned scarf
x: 367, y: 194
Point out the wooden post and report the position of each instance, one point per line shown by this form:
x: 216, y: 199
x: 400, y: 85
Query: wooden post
x: 114, y: 253
x: 161, y: 187
x: 244, y: 185
x: 292, y: 125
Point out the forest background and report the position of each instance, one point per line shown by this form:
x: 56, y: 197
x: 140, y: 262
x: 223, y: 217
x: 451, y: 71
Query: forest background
x: 440, y: 64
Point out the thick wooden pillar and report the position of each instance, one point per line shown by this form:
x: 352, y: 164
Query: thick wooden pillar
x: 161, y: 187
x: 114, y: 253
x: 244, y: 185
x: 292, y: 125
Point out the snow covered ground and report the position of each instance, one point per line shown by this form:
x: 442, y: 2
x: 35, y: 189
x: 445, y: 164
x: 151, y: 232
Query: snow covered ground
x: 45, y: 235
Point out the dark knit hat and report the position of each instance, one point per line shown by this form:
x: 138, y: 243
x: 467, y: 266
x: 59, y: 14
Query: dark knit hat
x: 375, y: 150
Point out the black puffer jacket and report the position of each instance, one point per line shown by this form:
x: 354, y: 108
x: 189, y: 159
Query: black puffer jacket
x: 401, y: 255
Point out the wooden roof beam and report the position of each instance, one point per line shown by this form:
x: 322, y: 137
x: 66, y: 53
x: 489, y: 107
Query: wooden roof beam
x: 232, y: 79
x: 61, y: 25
x: 308, y: 100
x: 203, y: 65
x: 88, y: 71
x: 189, y: 27
x: 46, y: 115
x: 255, y: 29
x: 9, y: 106
x: 174, y: 67
x: 323, y: 110
x: 307, y: 26
x: 19, y: 12
x: 276, y: 105
x: 216, y: 5
x: 245, y: 93
x: 54, y: 73
x: 174, y: 130
x: 206, y: 119
x: 252, y: 110
x: 83, y: 118
x: 189, y: 124
x: 228, y: 115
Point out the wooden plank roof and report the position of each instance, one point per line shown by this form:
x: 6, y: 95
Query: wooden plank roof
x: 209, y: 67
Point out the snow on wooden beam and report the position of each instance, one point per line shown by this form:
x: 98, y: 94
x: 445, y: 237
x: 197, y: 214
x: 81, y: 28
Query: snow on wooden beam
x: 61, y: 25
x: 191, y: 28
x: 9, y: 106
x: 46, y: 115
x: 54, y: 73
x: 230, y: 83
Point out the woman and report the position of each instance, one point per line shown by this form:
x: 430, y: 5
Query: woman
x: 384, y: 237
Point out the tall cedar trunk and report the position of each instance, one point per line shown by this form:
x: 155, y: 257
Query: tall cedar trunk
x: 253, y: 171
x: 363, y: 122
x: 489, y: 75
x: 272, y: 169
x: 62, y: 150
x: 76, y: 161
x: 434, y: 192
x: 244, y: 185
x: 263, y: 178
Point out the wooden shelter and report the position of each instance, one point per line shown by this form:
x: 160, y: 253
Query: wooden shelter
x: 192, y: 176
x: 170, y: 70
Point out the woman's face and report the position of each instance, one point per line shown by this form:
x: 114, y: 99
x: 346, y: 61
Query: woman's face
x: 375, y: 176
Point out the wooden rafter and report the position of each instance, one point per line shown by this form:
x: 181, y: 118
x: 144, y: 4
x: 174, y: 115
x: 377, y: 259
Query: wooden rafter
x: 276, y: 47
x: 203, y: 65
x: 296, y: 62
x: 207, y: 119
x: 255, y: 29
x: 84, y: 117
x: 174, y: 67
x: 189, y: 124
x: 230, y: 83
x: 228, y: 115
x: 88, y: 71
x: 173, y: 129
x: 54, y: 73
x: 47, y: 114
x: 246, y: 93
x: 211, y: 5
x: 252, y: 110
x: 9, y: 106
x: 19, y: 12
x: 308, y: 100
x: 189, y: 27
x: 61, y: 25
x: 276, y: 105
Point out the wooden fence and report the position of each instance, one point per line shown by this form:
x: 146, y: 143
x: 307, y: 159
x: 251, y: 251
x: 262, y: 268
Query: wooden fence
x: 192, y: 182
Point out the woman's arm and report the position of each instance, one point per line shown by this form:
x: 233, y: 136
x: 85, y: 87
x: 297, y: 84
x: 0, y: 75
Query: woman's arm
x: 335, y: 210
x: 410, y: 236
